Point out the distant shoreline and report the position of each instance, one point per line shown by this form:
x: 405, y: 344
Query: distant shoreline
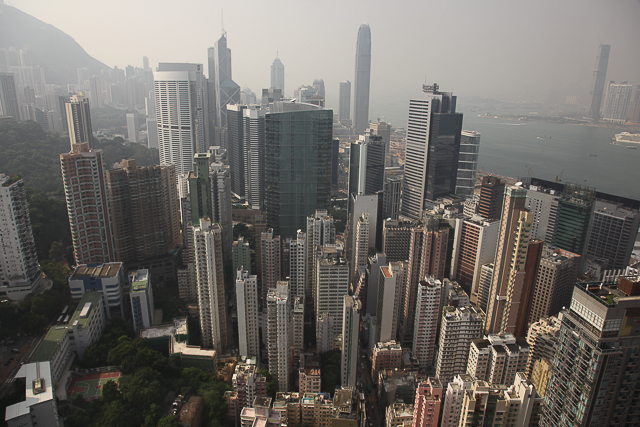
x: 561, y: 121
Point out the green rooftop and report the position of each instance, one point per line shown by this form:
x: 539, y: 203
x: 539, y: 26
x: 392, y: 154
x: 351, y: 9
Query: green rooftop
x: 85, y: 318
x: 50, y: 343
x: 139, y: 286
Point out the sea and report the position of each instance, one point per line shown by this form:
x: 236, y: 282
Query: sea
x: 574, y: 153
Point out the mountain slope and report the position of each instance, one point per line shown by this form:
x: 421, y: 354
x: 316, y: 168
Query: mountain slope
x: 57, y: 52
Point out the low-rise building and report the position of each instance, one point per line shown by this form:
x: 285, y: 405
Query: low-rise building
x: 107, y: 278
x: 309, y: 379
x: 190, y: 414
x: 87, y: 322
x: 260, y: 415
x: 345, y: 408
x: 39, y: 407
x: 426, y: 408
x: 399, y: 415
x: 386, y: 355
x: 141, y: 297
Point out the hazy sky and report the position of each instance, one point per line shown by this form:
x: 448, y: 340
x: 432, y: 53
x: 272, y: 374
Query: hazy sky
x: 502, y: 49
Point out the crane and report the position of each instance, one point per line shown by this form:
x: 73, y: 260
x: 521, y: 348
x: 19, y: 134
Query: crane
x: 559, y: 177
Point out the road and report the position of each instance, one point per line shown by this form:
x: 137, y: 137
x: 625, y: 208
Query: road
x: 27, y: 346
x: 372, y: 406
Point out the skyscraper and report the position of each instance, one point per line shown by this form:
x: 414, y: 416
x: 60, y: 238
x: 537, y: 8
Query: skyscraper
x: 344, y: 106
x: 600, y: 78
x: 270, y: 250
x: 390, y: 286
x: 366, y: 165
x: 278, y: 334
x: 297, y: 164
x: 79, y: 120
x: 209, y: 267
x: 144, y: 211
x: 9, y: 97
x: 594, y: 377
x: 18, y: 257
x: 227, y: 91
x: 332, y: 283
x: 235, y: 142
x: 467, y: 163
x: 431, y: 153
x: 247, y: 304
x: 491, y: 197
x: 85, y: 188
x: 427, y: 314
x: 426, y: 408
x: 362, y: 80
x: 254, y: 145
x: 575, y: 209
x: 277, y: 74
x: 133, y: 126
x: 177, y: 117
x: 459, y: 326
x: 616, y: 109
x: 351, y: 314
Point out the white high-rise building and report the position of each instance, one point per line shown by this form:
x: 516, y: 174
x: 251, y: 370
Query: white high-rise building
x: 320, y: 231
x: 220, y: 178
x: 543, y: 205
x: 254, y: 147
x: 467, y: 163
x: 361, y: 242
x: 277, y: 75
x: 247, y: 304
x: 390, y: 289
x: 332, y: 284
x: 431, y: 152
x: 350, y: 340
x: 141, y: 297
x: 19, y: 267
x: 459, y: 326
x: 298, y: 265
x: 454, y: 399
x: 79, y: 120
x: 178, y: 114
x: 426, y: 321
x: 297, y: 327
x: 278, y: 334
x: 209, y: 266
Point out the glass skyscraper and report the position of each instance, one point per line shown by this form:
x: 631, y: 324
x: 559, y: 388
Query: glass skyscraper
x: 298, y: 141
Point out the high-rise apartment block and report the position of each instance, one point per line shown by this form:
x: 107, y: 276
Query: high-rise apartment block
x: 351, y: 314
x: 332, y: 284
x: 19, y: 268
x: 133, y: 126
x: 454, y: 398
x: 362, y: 80
x: 79, y: 120
x: 396, y: 239
x: 392, y: 194
x: 278, y: 334
x: 209, y: 269
x: 543, y: 205
x: 386, y: 355
x: 555, y: 279
x: 144, y: 211
x: 298, y: 265
x: 321, y: 231
x: 270, y: 250
x: 467, y: 163
x: 390, y: 291
x: 593, y: 380
x: 504, y: 312
x: 427, y: 314
x: 9, y: 105
x: 141, y: 296
x: 297, y: 164
x: 426, y: 409
x: 360, y: 250
x: 459, y: 327
x: 481, y: 298
x: 431, y: 152
x: 542, y: 338
x: 247, y: 304
x: 85, y: 188
x: 491, y: 197
x: 616, y: 107
x: 366, y: 164
x: 241, y: 255
x: 496, y: 358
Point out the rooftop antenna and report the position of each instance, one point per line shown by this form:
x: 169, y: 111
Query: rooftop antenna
x: 431, y: 89
x: 224, y: 33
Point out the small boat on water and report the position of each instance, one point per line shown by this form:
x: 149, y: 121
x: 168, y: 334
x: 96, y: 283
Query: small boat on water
x: 628, y: 137
x: 631, y: 147
x: 593, y: 155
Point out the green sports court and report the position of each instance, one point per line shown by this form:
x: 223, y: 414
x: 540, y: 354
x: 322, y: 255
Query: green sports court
x: 90, y: 386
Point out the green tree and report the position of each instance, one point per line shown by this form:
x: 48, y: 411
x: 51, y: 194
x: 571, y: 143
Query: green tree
x: 272, y: 388
x: 110, y: 391
x: 169, y: 421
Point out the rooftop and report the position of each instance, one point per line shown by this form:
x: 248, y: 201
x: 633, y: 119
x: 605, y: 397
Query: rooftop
x: 109, y: 269
x: 39, y: 388
x: 84, y: 313
x: 50, y: 343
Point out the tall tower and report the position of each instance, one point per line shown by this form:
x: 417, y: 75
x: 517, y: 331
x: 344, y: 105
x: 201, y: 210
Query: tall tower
x: 9, y: 97
x: 575, y: 209
x: 616, y: 108
x: 227, y: 91
x: 344, y: 96
x: 270, y: 258
x: 362, y: 80
x: 427, y: 314
x: 235, y: 138
x: 18, y: 257
x: 177, y: 118
x: 350, y: 340
x: 277, y: 74
x: 298, y: 265
x: 600, y: 78
x: 79, y: 120
x: 144, y: 209
x: 278, y: 334
x: 254, y: 140
x: 321, y: 231
x: 491, y: 197
x: 593, y: 379
x: 467, y: 163
x: 332, y: 283
x: 459, y: 326
x: 85, y: 188
x: 297, y: 164
x: 433, y: 143
x: 209, y: 267
x: 390, y: 286
x: 509, y: 271
x: 366, y: 165
x: 247, y: 303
